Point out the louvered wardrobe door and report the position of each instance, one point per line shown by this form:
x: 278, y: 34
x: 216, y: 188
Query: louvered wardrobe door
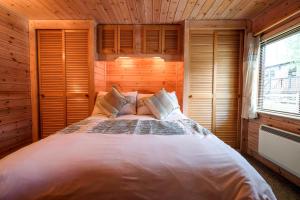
x: 171, y: 39
x: 51, y: 81
x: 227, y: 86
x: 126, y: 39
x: 108, y: 39
x: 152, y: 39
x: 77, y: 75
x: 201, y: 77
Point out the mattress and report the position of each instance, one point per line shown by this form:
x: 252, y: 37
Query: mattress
x: 79, y: 164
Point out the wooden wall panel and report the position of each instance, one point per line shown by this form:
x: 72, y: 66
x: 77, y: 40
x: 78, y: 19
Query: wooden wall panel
x: 100, y: 75
x: 15, y: 103
x: 146, y: 75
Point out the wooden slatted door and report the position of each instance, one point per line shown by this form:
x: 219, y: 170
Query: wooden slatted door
x: 152, y: 39
x: 51, y: 81
x: 108, y: 35
x: 227, y: 61
x: 214, y: 82
x: 77, y: 75
x: 126, y: 43
x: 171, y: 39
x: 201, y: 77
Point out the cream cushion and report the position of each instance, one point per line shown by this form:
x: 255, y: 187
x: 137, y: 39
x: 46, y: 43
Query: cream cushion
x: 129, y: 108
x: 142, y: 109
x: 161, y: 104
x: 112, y: 102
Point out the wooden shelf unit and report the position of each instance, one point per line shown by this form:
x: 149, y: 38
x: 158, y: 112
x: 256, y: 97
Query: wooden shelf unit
x: 139, y: 40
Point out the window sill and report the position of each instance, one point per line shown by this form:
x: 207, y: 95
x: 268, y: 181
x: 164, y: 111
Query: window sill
x: 278, y: 115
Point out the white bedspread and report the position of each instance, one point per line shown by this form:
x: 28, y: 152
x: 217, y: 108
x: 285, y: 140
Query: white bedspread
x: 150, y: 167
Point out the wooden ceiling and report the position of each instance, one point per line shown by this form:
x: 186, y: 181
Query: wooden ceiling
x: 138, y: 11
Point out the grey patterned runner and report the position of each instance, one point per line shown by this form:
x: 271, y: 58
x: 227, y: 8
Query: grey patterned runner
x: 152, y: 127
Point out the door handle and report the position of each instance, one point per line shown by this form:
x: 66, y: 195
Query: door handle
x: 190, y: 96
x: 87, y: 95
x: 42, y: 95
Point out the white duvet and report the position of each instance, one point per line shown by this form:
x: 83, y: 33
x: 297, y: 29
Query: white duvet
x: 121, y: 166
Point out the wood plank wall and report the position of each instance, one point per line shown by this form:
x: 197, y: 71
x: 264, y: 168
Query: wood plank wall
x: 145, y: 75
x: 15, y: 103
x: 100, y: 75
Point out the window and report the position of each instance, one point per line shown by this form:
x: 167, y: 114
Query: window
x: 279, y: 88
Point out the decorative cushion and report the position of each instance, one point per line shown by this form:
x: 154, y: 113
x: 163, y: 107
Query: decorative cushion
x: 112, y: 102
x: 142, y: 109
x: 174, y: 100
x: 161, y: 104
x: 129, y: 108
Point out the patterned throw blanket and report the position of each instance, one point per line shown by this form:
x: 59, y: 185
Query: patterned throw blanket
x: 140, y: 127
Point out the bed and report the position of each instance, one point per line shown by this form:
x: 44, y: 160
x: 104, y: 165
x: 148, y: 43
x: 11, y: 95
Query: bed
x: 88, y: 160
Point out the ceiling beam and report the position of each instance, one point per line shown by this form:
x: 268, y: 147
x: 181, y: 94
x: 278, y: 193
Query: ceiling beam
x: 275, y: 15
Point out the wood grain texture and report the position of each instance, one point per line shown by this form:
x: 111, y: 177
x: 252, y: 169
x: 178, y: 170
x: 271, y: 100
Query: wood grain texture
x: 139, y: 11
x: 214, y: 69
x: 15, y: 103
x: 77, y: 74
x: 52, y: 81
x: 152, y: 39
x: 201, y: 89
x: 227, y: 91
x: 145, y: 75
x: 142, y: 41
x: 275, y: 15
x: 77, y: 27
x: 63, y: 78
x: 277, y: 122
x: 100, y: 75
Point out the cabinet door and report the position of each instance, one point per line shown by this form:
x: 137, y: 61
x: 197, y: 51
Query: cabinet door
x: 126, y: 35
x: 77, y: 74
x: 152, y: 39
x: 214, y: 82
x: 227, y: 61
x: 107, y: 39
x: 51, y: 67
x: 201, y: 77
x: 171, y: 39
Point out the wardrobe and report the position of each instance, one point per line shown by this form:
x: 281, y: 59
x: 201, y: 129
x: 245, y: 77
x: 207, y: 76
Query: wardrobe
x: 64, y: 72
x: 214, y: 77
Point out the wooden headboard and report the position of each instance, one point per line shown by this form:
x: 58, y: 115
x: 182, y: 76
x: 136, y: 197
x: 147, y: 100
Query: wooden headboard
x: 145, y: 75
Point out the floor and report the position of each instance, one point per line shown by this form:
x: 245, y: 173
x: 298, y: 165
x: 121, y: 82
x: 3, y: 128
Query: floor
x: 282, y: 188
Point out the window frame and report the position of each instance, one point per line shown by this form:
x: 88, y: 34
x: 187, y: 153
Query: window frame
x: 261, y: 76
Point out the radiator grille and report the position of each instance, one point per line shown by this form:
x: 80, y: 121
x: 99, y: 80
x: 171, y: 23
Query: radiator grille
x: 280, y: 133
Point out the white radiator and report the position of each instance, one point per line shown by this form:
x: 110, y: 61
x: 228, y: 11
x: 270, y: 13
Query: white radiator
x: 280, y: 147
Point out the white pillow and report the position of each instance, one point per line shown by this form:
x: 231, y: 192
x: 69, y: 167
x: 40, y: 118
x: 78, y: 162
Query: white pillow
x: 128, y: 109
x: 142, y: 109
